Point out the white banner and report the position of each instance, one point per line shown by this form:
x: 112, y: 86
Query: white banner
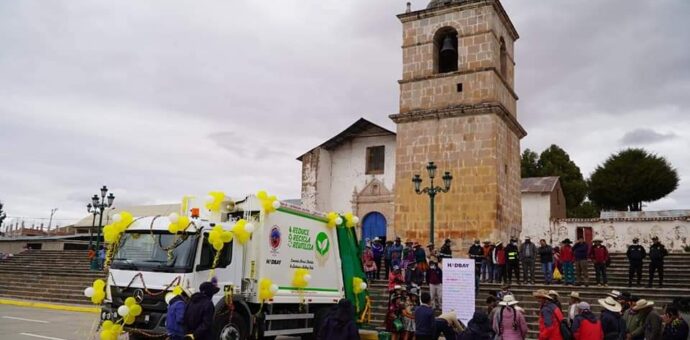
x: 458, y: 288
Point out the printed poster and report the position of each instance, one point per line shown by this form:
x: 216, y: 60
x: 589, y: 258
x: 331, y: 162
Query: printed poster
x: 458, y: 288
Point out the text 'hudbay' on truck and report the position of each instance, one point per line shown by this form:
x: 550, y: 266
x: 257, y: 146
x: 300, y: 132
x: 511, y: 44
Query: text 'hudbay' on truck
x: 149, y: 261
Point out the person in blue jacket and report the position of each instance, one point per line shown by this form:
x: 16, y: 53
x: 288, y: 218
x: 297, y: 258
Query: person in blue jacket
x: 581, y: 253
x: 174, y: 321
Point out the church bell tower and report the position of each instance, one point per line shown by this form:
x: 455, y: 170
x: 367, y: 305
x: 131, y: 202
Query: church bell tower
x: 458, y: 109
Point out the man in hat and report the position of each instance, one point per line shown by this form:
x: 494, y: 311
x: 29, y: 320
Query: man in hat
x: 657, y: 252
x: 568, y: 261
x: 198, y: 318
x: 477, y: 254
x: 513, y: 261
x: 434, y: 277
x: 600, y: 257
x: 581, y: 254
x: 487, y: 264
x: 555, y: 298
x: 586, y: 325
x: 446, y: 252
x: 572, y: 309
x: 431, y: 252
x: 528, y: 253
x: 612, y: 323
x: 498, y: 257
x: 546, y: 260
x: 377, y: 249
x: 550, y: 317
x: 642, y: 322
x: 636, y: 254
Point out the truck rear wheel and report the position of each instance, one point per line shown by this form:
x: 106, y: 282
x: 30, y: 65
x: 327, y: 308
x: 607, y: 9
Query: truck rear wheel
x: 235, y: 329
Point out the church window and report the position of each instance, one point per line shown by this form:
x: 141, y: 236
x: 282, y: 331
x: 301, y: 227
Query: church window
x: 375, y: 160
x: 446, y: 50
x: 504, y: 59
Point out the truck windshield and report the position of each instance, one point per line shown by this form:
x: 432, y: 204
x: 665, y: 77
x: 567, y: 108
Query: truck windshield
x: 163, y: 252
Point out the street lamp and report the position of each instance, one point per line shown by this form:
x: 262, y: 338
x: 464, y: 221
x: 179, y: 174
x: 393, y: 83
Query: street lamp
x: 432, y: 190
x: 99, y: 204
x: 92, y: 210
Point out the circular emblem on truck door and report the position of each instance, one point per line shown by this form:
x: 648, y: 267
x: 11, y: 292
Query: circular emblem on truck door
x: 274, y: 237
x: 323, y: 244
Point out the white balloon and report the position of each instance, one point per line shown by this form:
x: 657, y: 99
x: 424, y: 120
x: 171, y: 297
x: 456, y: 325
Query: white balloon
x: 307, y: 277
x: 276, y: 204
x: 339, y: 221
x: 88, y: 292
x: 169, y: 297
x: 274, y: 289
x: 249, y: 227
x: 123, y: 310
x: 117, y: 218
x: 173, y: 217
x: 355, y: 219
x: 363, y: 285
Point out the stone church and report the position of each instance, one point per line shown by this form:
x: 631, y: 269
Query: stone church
x: 457, y: 109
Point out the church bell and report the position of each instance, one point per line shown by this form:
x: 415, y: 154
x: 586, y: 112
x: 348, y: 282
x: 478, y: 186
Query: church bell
x: 448, y: 49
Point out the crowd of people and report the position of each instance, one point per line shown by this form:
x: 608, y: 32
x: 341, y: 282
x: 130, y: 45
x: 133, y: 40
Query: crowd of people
x: 566, y: 263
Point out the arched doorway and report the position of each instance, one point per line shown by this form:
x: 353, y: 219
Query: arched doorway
x: 374, y: 225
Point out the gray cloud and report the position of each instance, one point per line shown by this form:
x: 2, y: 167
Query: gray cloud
x: 645, y: 136
x: 159, y: 101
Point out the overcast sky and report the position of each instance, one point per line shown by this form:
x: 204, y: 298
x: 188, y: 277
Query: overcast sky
x: 158, y: 99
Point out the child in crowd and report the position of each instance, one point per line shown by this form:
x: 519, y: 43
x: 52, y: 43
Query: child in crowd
x: 370, y: 269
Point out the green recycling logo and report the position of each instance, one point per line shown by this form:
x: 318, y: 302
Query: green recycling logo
x: 323, y: 244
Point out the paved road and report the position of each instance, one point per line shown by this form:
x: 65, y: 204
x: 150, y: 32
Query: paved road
x: 23, y: 323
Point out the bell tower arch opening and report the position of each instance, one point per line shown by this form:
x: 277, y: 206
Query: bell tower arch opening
x: 446, y: 50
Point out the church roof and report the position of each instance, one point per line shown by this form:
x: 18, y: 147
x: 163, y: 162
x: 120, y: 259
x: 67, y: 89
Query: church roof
x: 539, y: 184
x: 354, y: 130
x: 441, y: 3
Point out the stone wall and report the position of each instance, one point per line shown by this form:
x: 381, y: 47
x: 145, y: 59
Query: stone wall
x: 480, y: 203
x: 618, y: 234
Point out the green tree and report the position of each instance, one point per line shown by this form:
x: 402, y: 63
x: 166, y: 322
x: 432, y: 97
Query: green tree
x: 631, y: 177
x: 554, y: 161
x: 585, y: 210
x: 528, y: 164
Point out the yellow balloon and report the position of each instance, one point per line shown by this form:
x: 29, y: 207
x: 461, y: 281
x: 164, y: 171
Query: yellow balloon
x: 98, y: 297
x: 172, y: 228
x: 262, y: 195
x: 130, y: 301
x: 226, y: 237
x: 129, y: 319
x: 135, y: 310
x: 177, y: 290
x: 357, y: 285
x: 218, y: 245
x: 98, y: 284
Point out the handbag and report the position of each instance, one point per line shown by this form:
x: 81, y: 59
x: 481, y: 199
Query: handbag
x: 557, y: 274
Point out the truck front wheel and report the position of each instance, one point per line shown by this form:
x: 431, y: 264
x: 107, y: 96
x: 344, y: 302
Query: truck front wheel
x: 235, y: 329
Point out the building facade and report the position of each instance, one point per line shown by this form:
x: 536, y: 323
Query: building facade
x: 542, y: 202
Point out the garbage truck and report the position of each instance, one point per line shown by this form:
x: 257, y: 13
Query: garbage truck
x: 149, y: 262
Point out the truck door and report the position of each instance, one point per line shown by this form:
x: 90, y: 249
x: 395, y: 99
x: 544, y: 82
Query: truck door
x: 226, y: 268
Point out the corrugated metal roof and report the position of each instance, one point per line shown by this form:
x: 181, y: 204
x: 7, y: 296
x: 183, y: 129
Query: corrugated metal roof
x: 539, y: 184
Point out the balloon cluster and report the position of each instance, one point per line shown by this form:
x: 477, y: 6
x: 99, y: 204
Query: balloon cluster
x: 267, y: 290
x: 270, y: 203
x: 351, y: 220
x: 214, y: 200
x: 177, y: 223
x: 112, y: 232
x: 129, y: 311
x: 96, y: 292
x: 358, y: 285
x: 301, y: 278
x: 243, y: 230
x: 334, y: 219
x: 110, y: 330
x: 218, y: 237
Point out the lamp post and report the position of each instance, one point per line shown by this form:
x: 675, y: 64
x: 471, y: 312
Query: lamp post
x: 92, y: 210
x: 99, y: 204
x: 432, y: 190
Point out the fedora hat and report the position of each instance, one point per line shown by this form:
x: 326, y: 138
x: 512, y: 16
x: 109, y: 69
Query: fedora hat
x: 508, y: 300
x: 543, y: 293
x: 611, y: 304
x: 554, y: 293
x: 614, y: 294
x: 567, y: 241
x: 498, y: 243
x: 575, y: 295
x: 642, y: 304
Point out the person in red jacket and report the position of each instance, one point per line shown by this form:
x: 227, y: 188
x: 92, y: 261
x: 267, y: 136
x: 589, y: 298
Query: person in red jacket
x: 586, y: 325
x: 550, y: 317
x: 498, y: 257
x: 600, y: 257
x: 568, y: 262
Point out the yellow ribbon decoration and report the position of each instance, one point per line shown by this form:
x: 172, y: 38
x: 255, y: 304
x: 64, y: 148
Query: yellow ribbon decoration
x: 110, y: 330
x: 332, y: 218
x: 216, y: 198
x: 351, y: 220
